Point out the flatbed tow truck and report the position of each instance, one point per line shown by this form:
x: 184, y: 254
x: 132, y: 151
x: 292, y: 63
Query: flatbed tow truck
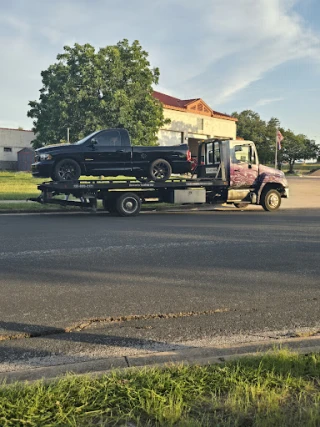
x: 227, y: 171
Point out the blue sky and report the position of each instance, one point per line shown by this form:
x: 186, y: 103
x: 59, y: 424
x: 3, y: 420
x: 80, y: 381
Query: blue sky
x: 234, y: 54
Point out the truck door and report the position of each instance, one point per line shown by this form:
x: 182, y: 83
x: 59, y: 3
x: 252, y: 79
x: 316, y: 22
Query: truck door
x: 243, y: 165
x: 107, y: 155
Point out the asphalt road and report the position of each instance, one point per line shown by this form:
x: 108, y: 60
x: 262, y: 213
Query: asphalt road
x: 219, y: 273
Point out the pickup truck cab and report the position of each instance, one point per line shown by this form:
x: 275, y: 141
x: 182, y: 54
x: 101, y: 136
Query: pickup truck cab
x: 109, y: 152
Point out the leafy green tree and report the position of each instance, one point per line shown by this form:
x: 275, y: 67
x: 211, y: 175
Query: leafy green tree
x: 251, y: 127
x: 312, y: 149
x: 70, y: 88
x: 295, y: 147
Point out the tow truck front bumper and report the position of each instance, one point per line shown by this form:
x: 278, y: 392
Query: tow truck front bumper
x: 285, y: 193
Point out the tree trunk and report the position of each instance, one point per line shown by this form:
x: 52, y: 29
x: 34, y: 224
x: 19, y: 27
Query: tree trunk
x: 291, y: 166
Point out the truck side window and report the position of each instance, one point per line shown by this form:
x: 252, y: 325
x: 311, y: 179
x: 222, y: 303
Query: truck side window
x: 213, y: 153
x: 241, y: 154
x: 217, y: 152
x: 110, y: 138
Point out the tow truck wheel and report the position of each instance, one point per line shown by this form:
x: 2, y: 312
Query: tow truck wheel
x: 128, y: 204
x: 160, y: 170
x: 66, y: 170
x: 270, y: 200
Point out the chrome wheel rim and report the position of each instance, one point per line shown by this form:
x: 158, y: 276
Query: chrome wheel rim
x: 273, y: 200
x: 129, y: 205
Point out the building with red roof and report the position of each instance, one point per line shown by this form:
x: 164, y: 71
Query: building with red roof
x: 192, y: 120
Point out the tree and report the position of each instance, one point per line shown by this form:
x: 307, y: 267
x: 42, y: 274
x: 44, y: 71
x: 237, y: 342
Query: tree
x: 312, y: 149
x: 251, y: 127
x: 295, y: 147
x: 70, y: 88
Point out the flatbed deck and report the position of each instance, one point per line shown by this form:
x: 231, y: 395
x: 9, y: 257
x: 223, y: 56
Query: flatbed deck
x: 66, y: 186
x: 122, y: 197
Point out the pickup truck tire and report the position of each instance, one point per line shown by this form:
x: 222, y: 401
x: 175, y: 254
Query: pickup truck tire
x: 128, y: 204
x: 160, y: 170
x: 66, y: 170
x: 270, y: 200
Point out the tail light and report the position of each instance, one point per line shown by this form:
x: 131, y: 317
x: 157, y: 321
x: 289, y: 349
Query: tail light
x: 188, y: 156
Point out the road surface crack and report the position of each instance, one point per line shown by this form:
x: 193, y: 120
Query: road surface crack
x: 78, y: 327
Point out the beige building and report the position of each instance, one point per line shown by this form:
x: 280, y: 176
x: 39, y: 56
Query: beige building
x: 193, y: 120
x: 12, y: 142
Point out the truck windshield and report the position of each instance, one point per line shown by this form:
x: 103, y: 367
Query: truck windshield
x: 86, y: 138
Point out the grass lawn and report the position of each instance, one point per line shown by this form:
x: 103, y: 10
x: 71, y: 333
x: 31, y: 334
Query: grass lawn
x: 18, y: 185
x: 22, y: 185
x: 302, y: 168
x: 278, y: 389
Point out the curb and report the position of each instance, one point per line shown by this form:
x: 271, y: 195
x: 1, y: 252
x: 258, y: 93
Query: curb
x: 192, y: 356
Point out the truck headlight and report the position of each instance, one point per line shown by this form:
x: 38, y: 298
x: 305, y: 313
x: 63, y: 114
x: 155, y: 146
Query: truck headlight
x: 45, y: 156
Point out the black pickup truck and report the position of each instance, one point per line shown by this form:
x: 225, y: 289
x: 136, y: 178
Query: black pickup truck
x: 109, y: 153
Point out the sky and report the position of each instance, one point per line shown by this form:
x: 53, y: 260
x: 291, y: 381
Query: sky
x: 262, y: 55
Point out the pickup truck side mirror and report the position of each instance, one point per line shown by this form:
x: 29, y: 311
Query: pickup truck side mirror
x: 92, y: 143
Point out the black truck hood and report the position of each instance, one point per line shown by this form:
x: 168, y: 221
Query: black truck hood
x: 67, y: 148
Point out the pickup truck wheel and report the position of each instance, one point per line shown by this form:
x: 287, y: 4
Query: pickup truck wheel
x: 66, y: 170
x: 128, y: 204
x: 270, y: 200
x: 160, y: 170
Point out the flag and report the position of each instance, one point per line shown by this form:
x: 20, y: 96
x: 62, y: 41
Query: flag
x: 279, y: 139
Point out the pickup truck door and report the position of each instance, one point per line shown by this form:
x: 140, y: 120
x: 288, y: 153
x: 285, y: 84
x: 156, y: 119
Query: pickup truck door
x: 244, y: 168
x: 106, y: 154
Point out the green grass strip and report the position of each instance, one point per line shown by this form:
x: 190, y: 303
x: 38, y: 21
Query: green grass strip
x: 278, y: 389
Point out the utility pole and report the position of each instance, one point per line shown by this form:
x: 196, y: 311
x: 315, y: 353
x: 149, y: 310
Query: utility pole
x: 68, y: 135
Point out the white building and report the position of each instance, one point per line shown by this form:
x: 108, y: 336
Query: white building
x: 11, y: 142
x: 192, y: 120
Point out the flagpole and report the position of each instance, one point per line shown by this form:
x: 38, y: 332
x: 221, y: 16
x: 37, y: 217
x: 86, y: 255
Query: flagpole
x: 276, y: 154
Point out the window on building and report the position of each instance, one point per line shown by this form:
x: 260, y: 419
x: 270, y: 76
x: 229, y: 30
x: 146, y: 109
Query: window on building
x: 7, y: 149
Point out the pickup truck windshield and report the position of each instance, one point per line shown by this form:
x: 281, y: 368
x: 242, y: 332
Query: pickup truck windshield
x: 86, y: 138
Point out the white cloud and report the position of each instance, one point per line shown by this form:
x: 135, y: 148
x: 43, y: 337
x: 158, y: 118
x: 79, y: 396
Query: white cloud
x: 211, y: 49
x: 267, y: 101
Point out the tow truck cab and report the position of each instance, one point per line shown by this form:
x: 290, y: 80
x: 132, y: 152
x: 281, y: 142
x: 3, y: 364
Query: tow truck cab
x: 236, y: 163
